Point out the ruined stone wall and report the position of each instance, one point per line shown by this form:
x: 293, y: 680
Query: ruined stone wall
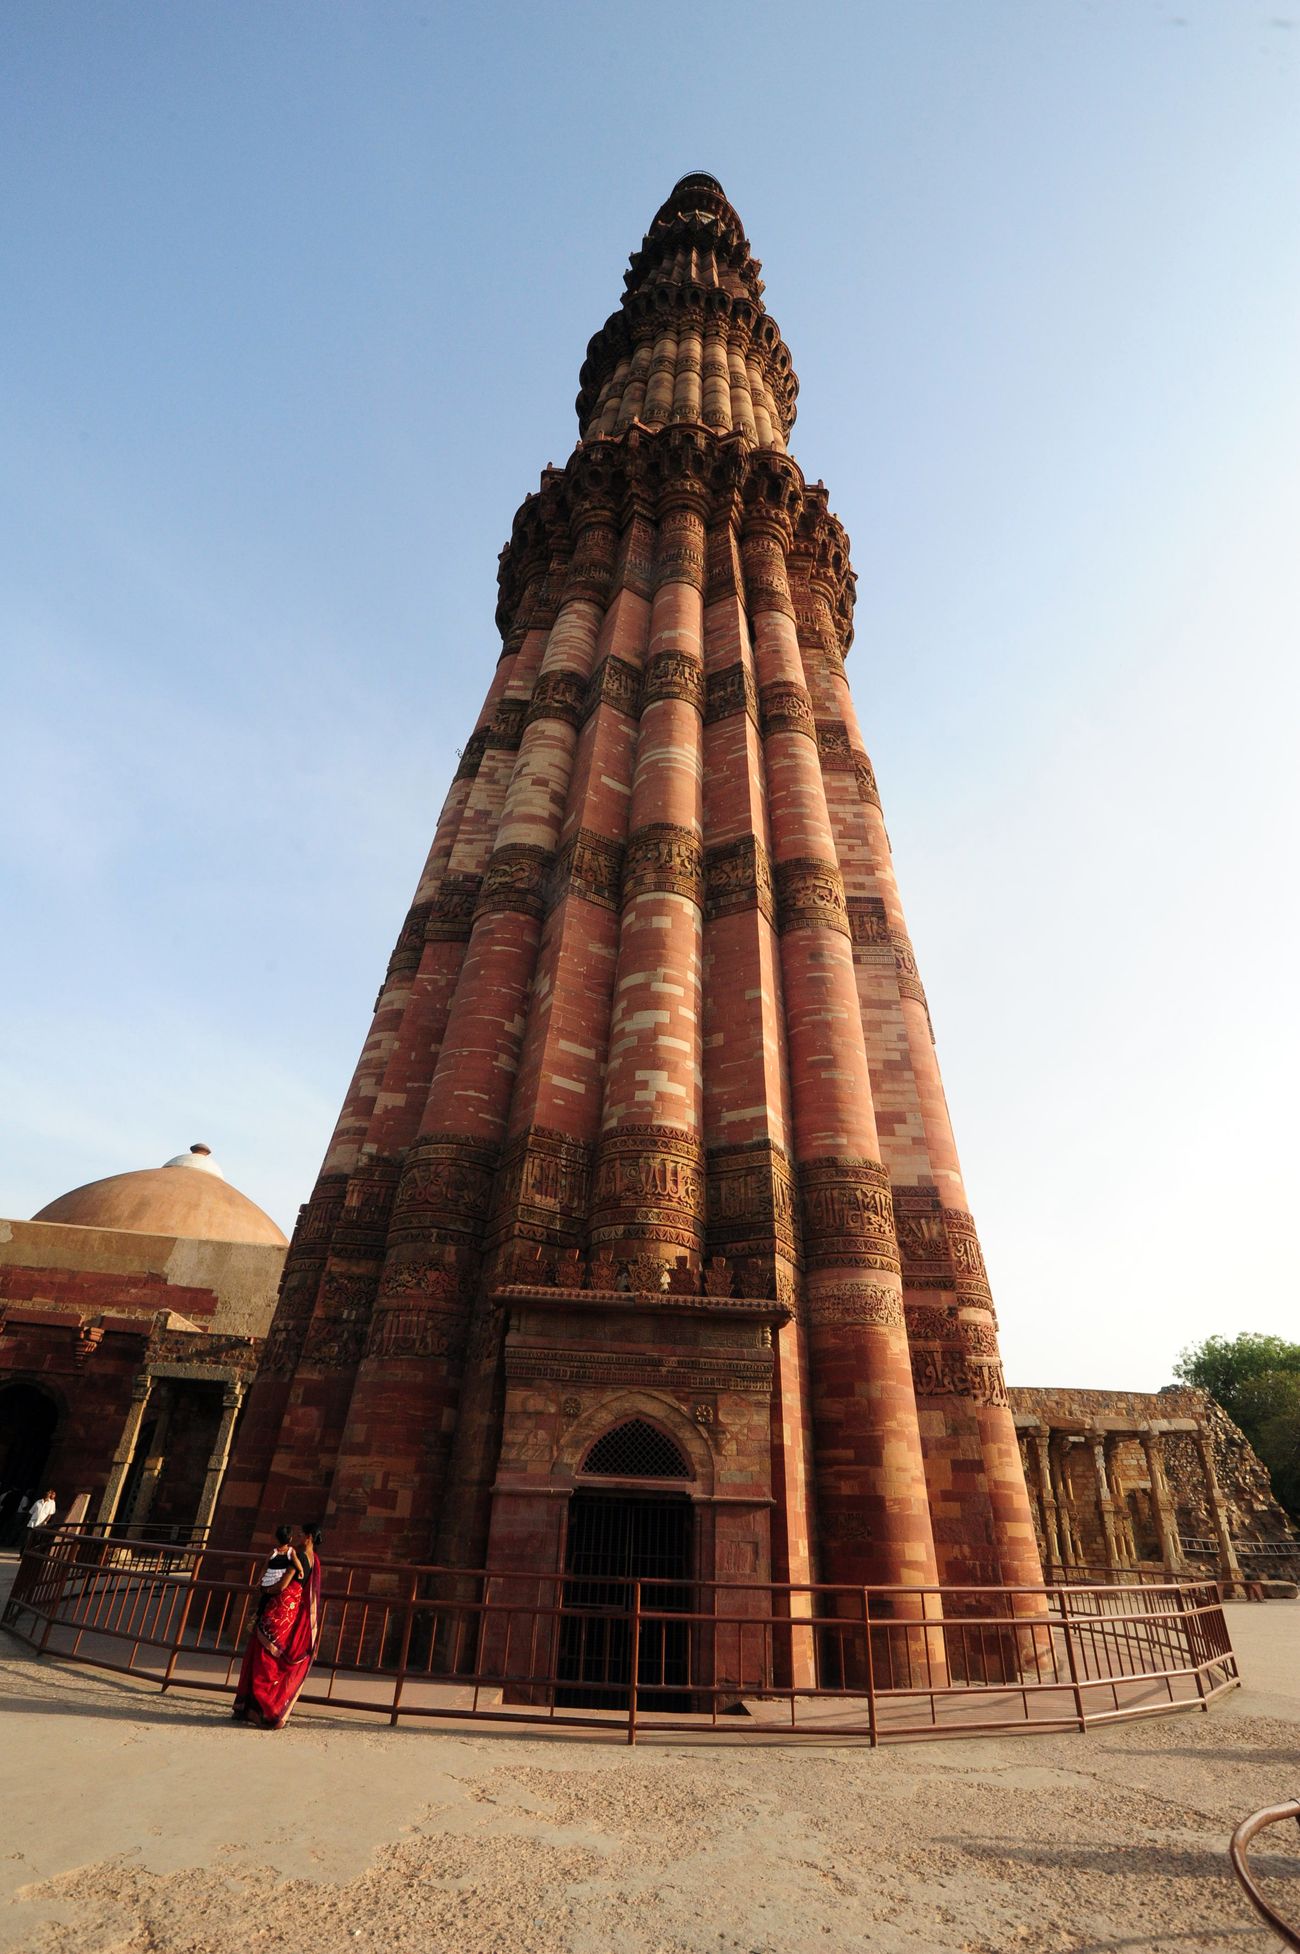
x: 1254, y: 1516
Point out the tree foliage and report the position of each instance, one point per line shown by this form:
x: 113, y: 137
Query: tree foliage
x: 1257, y: 1381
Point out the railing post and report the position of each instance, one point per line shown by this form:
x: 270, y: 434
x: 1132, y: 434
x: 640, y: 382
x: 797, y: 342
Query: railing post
x: 178, y: 1637
x: 636, y: 1661
x: 871, y: 1669
x: 57, y: 1597
x: 404, y: 1653
x: 1067, y: 1627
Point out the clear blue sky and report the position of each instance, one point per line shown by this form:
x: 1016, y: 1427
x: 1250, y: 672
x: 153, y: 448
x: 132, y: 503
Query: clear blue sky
x: 295, y: 300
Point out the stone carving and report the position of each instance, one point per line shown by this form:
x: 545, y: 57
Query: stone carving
x: 854, y: 1302
x: 409, y: 1333
x: 751, y: 1206
x: 590, y: 866
x: 318, y: 1219
x: 558, y: 695
x: 928, y: 1323
x: 949, y: 1374
x: 867, y: 788
x: 980, y: 1340
x: 636, y: 569
x: 507, y: 728
x: 471, y: 754
x: 590, y: 573
x: 663, y: 858
x: 786, y: 707
x: 750, y: 1372
x: 922, y: 1237
x: 616, y: 684
x: 451, y: 917
x: 363, y: 1224
x: 680, y: 556
x: 515, y: 881
x: 909, y: 984
x: 729, y: 691
x: 543, y: 1187
x: 810, y: 895
x: 673, y: 675
x: 848, y: 1214
x: 967, y: 1257
x: 738, y: 875
x: 868, y: 923
x: 445, y: 1191
x: 833, y: 746
x: 335, y: 1343
x: 409, y: 948
x: 282, y: 1348
x: 724, y: 578
x: 649, y: 1186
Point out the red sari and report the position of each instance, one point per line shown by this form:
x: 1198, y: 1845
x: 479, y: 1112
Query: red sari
x: 280, y: 1651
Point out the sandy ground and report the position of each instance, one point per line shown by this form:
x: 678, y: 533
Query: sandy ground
x: 141, y: 1824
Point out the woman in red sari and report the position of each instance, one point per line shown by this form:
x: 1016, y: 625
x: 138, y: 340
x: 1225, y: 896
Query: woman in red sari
x: 283, y: 1643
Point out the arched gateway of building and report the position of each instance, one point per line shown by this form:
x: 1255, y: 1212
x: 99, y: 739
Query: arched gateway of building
x: 629, y: 1529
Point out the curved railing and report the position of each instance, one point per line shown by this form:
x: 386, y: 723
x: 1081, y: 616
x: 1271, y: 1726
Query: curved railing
x: 814, y: 1659
x: 1241, y: 1838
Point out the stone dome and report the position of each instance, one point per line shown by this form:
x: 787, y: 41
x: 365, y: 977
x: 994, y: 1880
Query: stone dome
x: 189, y: 1197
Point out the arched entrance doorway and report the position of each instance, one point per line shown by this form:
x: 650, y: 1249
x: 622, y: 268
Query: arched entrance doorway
x: 625, y: 1524
x: 28, y: 1417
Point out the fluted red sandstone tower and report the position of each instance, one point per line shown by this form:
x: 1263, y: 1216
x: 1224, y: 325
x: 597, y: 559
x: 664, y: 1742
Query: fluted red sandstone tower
x: 648, y: 1137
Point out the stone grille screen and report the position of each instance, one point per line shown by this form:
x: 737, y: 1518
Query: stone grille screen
x: 636, y: 1451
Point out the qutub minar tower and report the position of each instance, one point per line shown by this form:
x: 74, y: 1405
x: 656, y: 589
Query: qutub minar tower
x: 642, y: 1231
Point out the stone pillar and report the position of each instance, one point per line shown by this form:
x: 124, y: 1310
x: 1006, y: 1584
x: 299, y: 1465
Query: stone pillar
x: 648, y: 1196
x: 752, y: 1204
x: 1039, y: 1441
x: 1162, y: 1505
x: 126, y: 1444
x: 873, y: 1509
x: 232, y: 1399
x: 1114, y: 1559
x: 1069, y: 1533
x: 1229, y: 1565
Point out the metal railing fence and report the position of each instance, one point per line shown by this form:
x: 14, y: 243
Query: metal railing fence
x: 880, y: 1663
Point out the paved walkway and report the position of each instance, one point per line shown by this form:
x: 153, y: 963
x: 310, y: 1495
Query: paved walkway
x: 140, y: 1824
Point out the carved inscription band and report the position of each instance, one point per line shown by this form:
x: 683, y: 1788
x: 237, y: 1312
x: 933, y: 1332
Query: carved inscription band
x: 730, y: 691
x: 674, y: 675
x: 786, y: 707
x: 649, y: 1186
x: 445, y: 1192
x: 558, y: 695
x: 848, y: 1215
x: 738, y: 876
x: 810, y: 895
x: 616, y: 684
x: 663, y: 858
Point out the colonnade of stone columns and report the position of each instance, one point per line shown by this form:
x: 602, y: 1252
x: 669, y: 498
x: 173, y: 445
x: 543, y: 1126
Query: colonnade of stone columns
x: 1072, y: 1505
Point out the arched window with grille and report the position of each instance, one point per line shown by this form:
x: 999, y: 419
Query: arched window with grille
x: 635, y: 1450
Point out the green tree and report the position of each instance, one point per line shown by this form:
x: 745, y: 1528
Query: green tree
x: 1257, y: 1381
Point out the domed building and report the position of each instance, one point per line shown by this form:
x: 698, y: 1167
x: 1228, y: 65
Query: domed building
x: 132, y: 1314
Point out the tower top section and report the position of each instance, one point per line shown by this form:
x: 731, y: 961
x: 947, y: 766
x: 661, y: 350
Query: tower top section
x: 691, y: 340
